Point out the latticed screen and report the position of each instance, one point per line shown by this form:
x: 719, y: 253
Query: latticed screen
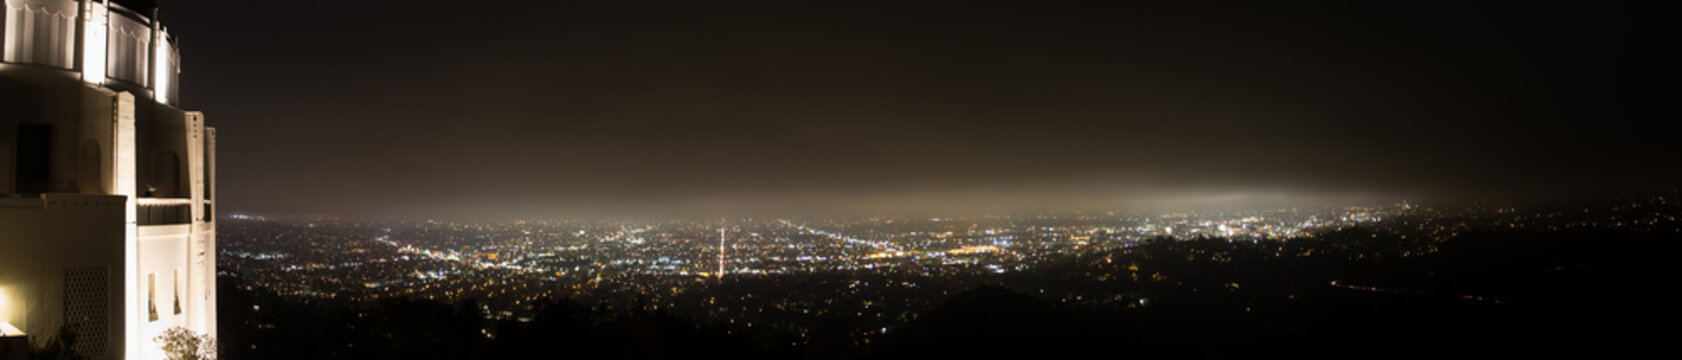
x: 86, y: 308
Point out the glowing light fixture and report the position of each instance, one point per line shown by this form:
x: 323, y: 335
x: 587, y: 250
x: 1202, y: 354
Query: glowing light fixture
x: 161, y: 68
x: 6, y: 329
x: 95, y: 19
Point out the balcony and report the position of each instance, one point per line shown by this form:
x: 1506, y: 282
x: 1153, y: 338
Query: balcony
x: 155, y: 211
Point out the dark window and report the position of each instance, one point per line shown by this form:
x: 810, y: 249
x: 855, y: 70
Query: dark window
x: 34, y: 166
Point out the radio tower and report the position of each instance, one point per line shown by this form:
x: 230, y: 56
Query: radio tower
x: 721, y: 251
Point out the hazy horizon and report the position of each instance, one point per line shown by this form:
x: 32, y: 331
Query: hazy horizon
x: 391, y: 107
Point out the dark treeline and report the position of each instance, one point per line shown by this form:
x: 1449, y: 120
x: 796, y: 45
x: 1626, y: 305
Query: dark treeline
x: 1344, y: 294
x: 261, y: 326
x: 1585, y: 293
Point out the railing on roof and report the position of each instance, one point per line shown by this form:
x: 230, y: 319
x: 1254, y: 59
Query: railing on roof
x: 136, y: 51
x: 156, y: 211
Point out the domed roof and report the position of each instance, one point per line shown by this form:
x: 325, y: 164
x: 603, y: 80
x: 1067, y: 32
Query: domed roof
x: 140, y: 6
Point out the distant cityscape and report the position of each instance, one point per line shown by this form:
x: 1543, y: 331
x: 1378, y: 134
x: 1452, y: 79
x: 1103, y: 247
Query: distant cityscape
x: 837, y: 180
x: 787, y: 276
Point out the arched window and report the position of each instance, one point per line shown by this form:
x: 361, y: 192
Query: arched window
x: 88, y: 174
x: 166, y: 174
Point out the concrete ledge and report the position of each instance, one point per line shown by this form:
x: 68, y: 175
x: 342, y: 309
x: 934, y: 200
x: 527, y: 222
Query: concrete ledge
x: 14, y: 347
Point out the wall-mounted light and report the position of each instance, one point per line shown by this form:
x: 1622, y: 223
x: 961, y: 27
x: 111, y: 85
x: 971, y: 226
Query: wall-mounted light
x: 6, y: 328
x: 161, y: 81
x: 95, y: 19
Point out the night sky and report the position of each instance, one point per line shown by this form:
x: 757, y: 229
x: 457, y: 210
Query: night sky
x: 547, y: 107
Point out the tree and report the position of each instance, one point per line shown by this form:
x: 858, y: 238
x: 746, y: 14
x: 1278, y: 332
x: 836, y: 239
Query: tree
x: 60, y: 347
x: 182, y: 344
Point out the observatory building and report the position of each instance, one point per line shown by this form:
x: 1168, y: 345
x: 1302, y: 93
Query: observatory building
x: 106, y: 215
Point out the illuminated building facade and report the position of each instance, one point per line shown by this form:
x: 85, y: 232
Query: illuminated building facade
x: 106, y: 213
